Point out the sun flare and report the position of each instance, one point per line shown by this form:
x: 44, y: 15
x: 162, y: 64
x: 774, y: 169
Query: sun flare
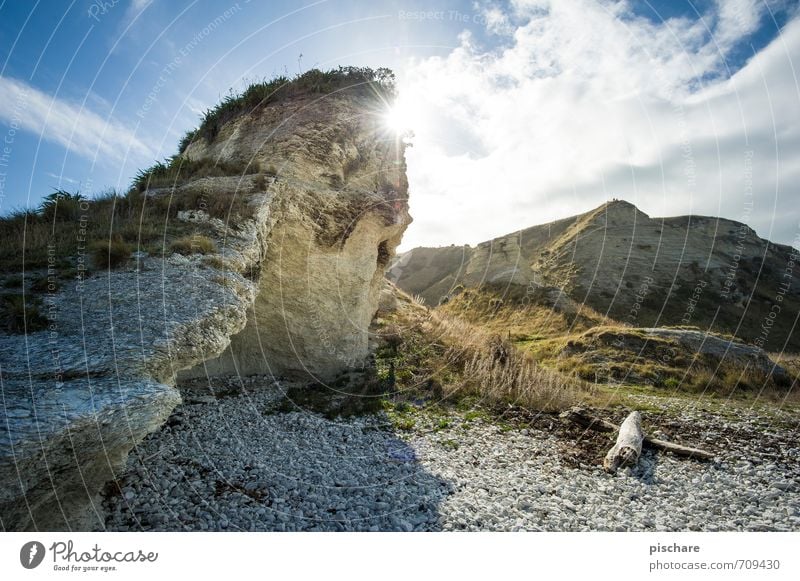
x: 398, y: 119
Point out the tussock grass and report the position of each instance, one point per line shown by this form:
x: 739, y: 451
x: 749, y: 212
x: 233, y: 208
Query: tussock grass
x: 110, y: 254
x: 491, y: 367
x: 21, y: 314
x: 194, y: 244
x: 178, y: 170
x: 440, y: 356
x: 524, y: 314
x: 145, y: 222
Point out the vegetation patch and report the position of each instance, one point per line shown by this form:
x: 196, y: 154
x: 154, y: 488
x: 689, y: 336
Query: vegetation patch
x: 432, y: 357
x: 194, y: 244
x: 110, y: 254
x: 378, y: 84
x: 346, y: 397
x: 632, y: 356
x: 21, y: 314
x: 178, y: 170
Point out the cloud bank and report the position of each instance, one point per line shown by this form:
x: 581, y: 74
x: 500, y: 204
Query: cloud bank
x: 586, y: 101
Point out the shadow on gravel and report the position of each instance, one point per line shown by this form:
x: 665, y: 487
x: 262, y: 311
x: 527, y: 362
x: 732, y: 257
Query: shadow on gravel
x: 250, y: 462
x: 645, y: 469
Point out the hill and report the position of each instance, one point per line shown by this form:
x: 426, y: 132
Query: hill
x: 711, y: 273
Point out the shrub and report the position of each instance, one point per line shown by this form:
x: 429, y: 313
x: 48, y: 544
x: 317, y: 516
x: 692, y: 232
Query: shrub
x: 186, y: 140
x: 61, y: 205
x: 215, y: 262
x: 194, y: 244
x: 110, y: 254
x: 260, y: 183
x: 672, y: 383
x: 19, y: 316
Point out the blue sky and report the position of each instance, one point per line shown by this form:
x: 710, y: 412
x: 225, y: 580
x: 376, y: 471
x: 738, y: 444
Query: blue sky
x: 92, y: 91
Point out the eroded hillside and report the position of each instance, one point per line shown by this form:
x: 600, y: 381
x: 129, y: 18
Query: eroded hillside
x: 711, y: 273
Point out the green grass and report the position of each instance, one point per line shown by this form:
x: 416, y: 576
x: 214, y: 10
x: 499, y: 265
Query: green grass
x: 143, y: 222
x: 340, y: 399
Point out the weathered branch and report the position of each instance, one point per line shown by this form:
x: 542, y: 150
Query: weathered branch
x: 628, y: 447
x: 677, y: 449
x: 584, y: 418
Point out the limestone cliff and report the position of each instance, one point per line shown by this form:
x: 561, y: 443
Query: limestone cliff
x: 311, y: 218
x: 338, y: 211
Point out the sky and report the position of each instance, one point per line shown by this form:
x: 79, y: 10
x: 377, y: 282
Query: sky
x: 522, y: 112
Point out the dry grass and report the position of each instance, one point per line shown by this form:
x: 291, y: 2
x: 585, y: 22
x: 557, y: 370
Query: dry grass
x: 515, y: 310
x: 215, y: 262
x: 21, y: 314
x: 178, y: 170
x: 493, y: 368
x: 110, y: 254
x: 146, y: 222
x: 436, y: 355
x: 194, y: 244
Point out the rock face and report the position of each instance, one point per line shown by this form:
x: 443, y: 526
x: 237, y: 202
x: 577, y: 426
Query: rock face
x: 646, y: 272
x: 292, y: 290
x: 80, y: 395
x: 338, y: 212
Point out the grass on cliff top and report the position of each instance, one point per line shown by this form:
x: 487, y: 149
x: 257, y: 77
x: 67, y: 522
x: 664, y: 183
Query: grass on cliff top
x: 68, y: 230
x: 376, y: 83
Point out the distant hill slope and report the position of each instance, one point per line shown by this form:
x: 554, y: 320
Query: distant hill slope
x: 713, y: 273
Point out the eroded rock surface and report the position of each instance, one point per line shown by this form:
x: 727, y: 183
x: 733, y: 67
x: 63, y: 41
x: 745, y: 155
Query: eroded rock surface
x: 339, y: 210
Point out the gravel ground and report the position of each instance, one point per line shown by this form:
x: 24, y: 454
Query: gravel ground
x: 236, y: 463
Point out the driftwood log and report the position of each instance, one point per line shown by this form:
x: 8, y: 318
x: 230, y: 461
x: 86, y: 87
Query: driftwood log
x: 628, y: 448
x: 584, y: 418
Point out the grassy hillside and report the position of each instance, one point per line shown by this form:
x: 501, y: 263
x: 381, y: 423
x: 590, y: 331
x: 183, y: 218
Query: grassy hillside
x: 711, y: 273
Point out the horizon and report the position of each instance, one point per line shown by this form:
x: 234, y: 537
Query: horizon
x: 691, y: 109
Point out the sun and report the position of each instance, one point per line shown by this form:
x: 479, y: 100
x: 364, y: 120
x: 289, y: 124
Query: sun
x: 398, y: 118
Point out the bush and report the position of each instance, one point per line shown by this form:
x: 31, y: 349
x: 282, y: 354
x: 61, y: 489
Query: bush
x: 110, y: 254
x: 62, y: 206
x: 194, y: 244
x: 187, y: 140
x: 672, y: 383
x: 19, y: 316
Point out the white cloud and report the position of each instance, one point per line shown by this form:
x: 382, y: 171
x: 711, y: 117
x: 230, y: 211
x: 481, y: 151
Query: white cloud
x: 76, y: 128
x: 588, y: 102
x: 737, y: 19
